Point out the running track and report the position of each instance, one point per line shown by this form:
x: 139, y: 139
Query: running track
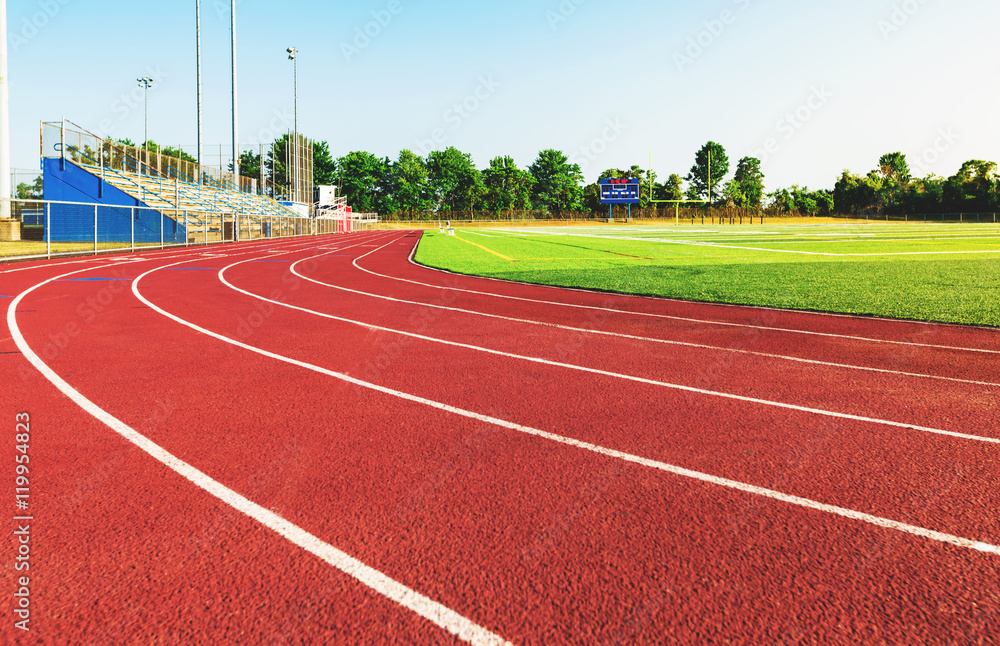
x: 318, y: 441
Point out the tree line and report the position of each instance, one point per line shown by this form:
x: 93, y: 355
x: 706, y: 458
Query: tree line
x: 448, y: 181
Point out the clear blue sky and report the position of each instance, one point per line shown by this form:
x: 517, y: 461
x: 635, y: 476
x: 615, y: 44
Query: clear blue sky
x: 811, y: 88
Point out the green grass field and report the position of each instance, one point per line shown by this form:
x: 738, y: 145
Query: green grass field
x: 938, y: 272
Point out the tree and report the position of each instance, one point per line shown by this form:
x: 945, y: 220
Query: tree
x: 893, y: 166
x: 358, y: 174
x: 31, y: 191
x: 704, y: 178
x: 592, y: 198
x: 324, y: 165
x: 799, y: 199
x: 853, y: 194
x: 410, y: 182
x: 507, y: 186
x: 557, y: 183
x: 973, y: 187
x: 249, y: 164
x: 672, y: 189
x: 454, y: 181
x: 747, y: 187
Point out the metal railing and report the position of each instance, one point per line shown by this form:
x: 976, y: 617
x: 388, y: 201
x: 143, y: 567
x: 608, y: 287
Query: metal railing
x: 50, y: 229
x: 67, y: 140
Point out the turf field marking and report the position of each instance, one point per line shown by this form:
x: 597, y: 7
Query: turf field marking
x: 485, y: 249
x: 427, y: 608
x: 806, y: 503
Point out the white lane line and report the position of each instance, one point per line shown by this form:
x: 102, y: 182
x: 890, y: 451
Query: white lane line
x: 670, y: 317
x: 632, y: 337
x: 607, y: 373
x: 878, y: 521
x: 408, y: 598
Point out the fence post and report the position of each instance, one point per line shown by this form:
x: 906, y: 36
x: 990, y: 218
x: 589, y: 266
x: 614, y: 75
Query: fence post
x: 132, y: 221
x: 95, y: 229
x: 185, y: 228
x: 161, y: 230
x: 48, y: 230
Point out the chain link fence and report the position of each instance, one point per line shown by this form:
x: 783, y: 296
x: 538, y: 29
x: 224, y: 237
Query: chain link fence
x: 50, y: 229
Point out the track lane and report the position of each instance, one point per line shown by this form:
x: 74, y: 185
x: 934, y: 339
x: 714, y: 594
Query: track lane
x: 625, y: 419
x: 954, y: 404
x: 709, y: 600
x: 111, y: 571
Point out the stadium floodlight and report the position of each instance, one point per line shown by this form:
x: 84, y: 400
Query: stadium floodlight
x: 293, y: 56
x: 146, y: 82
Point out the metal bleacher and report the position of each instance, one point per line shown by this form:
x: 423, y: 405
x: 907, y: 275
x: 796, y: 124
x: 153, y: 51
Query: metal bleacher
x: 176, y: 187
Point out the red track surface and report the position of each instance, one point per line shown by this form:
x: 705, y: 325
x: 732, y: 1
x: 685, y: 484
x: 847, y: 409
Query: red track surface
x: 631, y: 471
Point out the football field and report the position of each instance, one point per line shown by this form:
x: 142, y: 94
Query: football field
x: 929, y: 272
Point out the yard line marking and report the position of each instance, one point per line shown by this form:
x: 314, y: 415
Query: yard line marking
x: 427, y: 608
x: 806, y: 503
x: 485, y: 249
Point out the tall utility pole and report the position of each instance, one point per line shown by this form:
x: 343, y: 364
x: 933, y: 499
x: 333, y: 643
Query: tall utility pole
x: 236, y: 132
x: 5, y: 188
x: 145, y: 82
x: 197, y: 24
x: 293, y: 56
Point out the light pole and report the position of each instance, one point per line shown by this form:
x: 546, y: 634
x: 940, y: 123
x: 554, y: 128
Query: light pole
x: 146, y: 83
x: 236, y: 136
x: 5, y: 187
x: 293, y: 56
x: 197, y: 22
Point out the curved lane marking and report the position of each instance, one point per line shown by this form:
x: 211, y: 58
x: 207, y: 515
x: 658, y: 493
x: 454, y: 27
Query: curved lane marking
x: 806, y: 503
x: 408, y: 598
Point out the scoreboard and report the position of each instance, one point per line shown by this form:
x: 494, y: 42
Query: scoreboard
x: 619, y: 191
